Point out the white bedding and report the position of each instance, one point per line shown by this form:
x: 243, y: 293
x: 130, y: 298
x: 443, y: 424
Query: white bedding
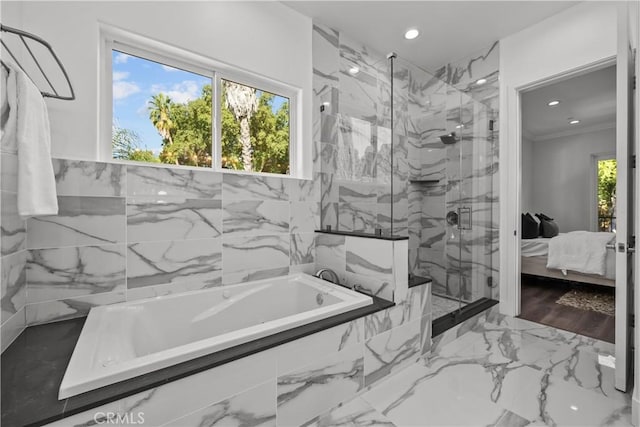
x: 581, y: 251
x: 540, y: 247
x: 534, y: 247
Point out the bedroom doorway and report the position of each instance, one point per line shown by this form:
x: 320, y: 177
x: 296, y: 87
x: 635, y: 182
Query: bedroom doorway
x: 568, y: 204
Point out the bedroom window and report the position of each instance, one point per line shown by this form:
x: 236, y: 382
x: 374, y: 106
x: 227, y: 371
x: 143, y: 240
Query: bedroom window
x: 606, y: 197
x: 169, y: 106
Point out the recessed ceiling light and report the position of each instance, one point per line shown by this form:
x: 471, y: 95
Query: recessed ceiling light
x: 553, y: 103
x: 574, y: 121
x: 411, y: 34
x: 354, y: 70
x: 481, y: 81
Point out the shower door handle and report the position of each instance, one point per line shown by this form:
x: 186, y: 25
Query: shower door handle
x: 464, y: 218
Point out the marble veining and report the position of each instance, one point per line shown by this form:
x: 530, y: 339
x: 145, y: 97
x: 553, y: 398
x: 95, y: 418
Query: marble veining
x: 80, y: 221
x: 164, y: 181
x: 62, y: 273
x: 159, y: 218
x: 251, y: 408
x: 198, y: 262
x: 82, y: 178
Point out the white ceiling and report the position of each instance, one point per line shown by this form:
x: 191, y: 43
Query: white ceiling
x: 590, y: 98
x: 450, y: 30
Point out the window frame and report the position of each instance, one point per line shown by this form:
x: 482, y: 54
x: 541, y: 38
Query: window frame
x: 112, y: 38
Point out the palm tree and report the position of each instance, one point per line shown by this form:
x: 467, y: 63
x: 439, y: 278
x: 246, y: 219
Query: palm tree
x: 242, y: 102
x: 160, y: 115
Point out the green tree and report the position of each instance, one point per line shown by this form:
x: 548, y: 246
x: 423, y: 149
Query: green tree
x: 241, y: 100
x: 125, y: 145
x: 161, y: 116
x: 607, y: 178
x: 186, y: 132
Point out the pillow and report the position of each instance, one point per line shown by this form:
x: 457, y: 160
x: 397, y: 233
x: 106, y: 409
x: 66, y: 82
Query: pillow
x: 548, y: 228
x: 530, y: 228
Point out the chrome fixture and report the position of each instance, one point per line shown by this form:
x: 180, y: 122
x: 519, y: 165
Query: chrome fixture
x: 333, y: 277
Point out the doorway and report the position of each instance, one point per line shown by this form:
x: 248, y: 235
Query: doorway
x: 568, y: 204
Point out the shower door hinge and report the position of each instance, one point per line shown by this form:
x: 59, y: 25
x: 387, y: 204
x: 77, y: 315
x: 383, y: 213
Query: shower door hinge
x: 633, y: 161
x: 490, y: 124
x: 632, y: 320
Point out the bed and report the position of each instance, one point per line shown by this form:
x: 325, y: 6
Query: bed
x: 534, y: 253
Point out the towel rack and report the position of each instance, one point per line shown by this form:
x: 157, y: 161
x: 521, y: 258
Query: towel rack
x: 22, y: 35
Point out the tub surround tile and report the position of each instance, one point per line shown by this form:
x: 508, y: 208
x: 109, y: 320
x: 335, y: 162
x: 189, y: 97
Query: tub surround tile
x: 308, y: 392
x: 302, y: 248
x: 254, y: 274
x: 391, y: 350
x: 72, y: 272
x: 163, y: 181
x: 251, y: 187
x: 11, y: 329
x: 13, y: 229
x: 70, y: 308
x: 86, y: 178
x: 305, y: 217
x: 151, y: 218
x: 302, y: 352
x: 255, y: 252
x: 255, y: 217
x: 13, y: 275
x: 193, y: 261
x: 80, y: 221
x: 251, y: 408
x: 43, y: 351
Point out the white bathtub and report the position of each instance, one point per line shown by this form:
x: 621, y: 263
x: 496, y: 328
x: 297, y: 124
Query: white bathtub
x: 125, y: 340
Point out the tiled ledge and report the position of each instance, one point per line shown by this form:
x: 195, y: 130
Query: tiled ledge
x: 418, y: 281
x: 43, y: 352
x: 365, y: 235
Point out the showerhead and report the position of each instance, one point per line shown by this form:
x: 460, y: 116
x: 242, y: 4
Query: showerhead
x: 449, y: 138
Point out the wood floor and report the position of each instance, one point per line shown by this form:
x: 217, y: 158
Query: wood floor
x: 538, y: 302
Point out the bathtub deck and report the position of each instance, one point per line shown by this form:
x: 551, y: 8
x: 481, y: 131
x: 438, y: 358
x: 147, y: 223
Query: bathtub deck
x: 44, y: 351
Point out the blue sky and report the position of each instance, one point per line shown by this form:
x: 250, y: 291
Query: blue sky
x: 135, y: 80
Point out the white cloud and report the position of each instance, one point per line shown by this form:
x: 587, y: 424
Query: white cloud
x: 120, y: 75
x: 121, y: 58
x: 169, y: 69
x: 123, y: 89
x: 185, y: 91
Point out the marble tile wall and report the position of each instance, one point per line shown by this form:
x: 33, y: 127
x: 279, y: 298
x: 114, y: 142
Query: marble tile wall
x: 125, y: 232
x: 379, y: 266
x: 446, y: 177
x: 352, y: 126
x: 13, y: 254
x: 291, y: 384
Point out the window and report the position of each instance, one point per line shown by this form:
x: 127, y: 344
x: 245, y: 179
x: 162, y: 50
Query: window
x: 172, y: 110
x: 606, y: 197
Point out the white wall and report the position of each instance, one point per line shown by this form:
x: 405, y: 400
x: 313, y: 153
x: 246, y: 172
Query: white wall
x: 579, y: 36
x: 267, y: 38
x: 527, y: 176
x: 562, y: 176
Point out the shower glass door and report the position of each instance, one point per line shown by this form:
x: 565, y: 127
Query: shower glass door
x: 446, y: 138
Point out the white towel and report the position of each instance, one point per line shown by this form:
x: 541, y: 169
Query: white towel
x: 581, y: 251
x: 36, y: 179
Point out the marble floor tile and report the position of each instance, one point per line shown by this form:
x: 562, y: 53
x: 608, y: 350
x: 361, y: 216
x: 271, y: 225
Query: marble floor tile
x: 502, y: 372
x: 355, y: 413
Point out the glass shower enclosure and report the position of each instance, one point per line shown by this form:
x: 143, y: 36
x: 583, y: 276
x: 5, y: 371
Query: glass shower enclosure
x: 451, y: 153
x: 404, y: 154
